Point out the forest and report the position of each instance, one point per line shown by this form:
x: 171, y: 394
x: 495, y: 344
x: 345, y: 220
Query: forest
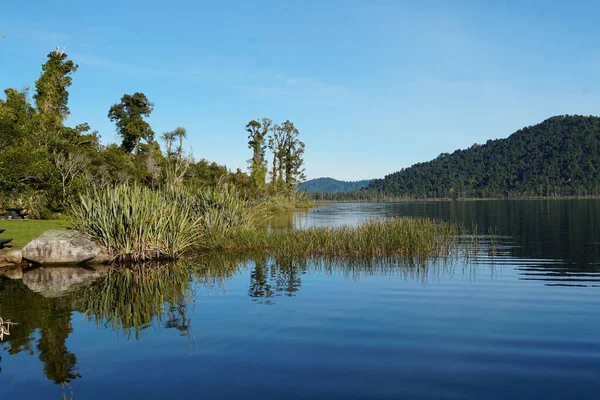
x: 327, y: 185
x: 45, y: 164
x: 559, y: 157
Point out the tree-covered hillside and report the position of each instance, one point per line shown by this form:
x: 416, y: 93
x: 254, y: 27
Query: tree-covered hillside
x: 329, y: 185
x: 558, y: 157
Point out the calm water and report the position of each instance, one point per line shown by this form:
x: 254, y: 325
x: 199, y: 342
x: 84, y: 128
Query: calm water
x: 525, y: 324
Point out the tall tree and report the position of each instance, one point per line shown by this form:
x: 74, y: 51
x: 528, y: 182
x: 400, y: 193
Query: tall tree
x: 51, y: 94
x: 293, y: 155
x: 277, y: 146
x: 257, y: 134
x: 129, y: 115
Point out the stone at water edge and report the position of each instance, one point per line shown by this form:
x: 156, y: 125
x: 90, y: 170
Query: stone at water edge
x: 60, y: 247
x: 12, y: 257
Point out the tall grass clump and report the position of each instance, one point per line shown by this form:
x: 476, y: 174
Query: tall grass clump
x: 136, y: 223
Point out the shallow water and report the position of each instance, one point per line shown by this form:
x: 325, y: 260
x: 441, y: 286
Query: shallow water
x: 523, y: 324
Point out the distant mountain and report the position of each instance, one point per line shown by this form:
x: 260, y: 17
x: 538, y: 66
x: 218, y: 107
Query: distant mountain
x: 330, y: 185
x: 558, y: 157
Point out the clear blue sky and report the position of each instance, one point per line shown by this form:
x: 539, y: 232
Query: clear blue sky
x: 373, y: 86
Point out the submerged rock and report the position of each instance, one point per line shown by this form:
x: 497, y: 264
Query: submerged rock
x: 58, y: 281
x: 61, y: 247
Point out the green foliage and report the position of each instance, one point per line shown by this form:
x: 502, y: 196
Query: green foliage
x: 128, y: 116
x: 257, y: 135
x: 288, y: 153
x: 51, y: 96
x: 137, y: 223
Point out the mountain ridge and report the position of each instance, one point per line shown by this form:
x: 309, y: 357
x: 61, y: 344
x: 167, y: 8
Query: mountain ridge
x: 558, y: 157
x: 331, y: 185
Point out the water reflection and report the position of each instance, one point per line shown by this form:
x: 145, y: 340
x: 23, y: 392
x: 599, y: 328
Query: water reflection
x: 130, y: 301
x: 126, y: 301
x: 44, y: 325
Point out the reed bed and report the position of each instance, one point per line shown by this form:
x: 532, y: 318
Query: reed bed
x: 410, y: 238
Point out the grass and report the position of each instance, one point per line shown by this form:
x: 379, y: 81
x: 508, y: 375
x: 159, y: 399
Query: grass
x: 136, y: 223
x: 406, y: 238
x: 23, y: 231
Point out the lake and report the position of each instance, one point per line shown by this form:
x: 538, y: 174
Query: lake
x: 522, y: 324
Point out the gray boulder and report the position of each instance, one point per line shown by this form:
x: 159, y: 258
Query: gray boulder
x: 61, y: 247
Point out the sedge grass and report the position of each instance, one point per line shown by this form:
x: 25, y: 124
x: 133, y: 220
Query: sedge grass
x: 410, y: 238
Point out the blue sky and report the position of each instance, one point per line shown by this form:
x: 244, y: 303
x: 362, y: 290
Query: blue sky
x: 373, y: 86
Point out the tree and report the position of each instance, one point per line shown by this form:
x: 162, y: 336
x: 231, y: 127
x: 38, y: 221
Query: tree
x: 69, y: 165
x: 293, y: 153
x: 277, y: 146
x: 177, y: 163
x: 257, y: 133
x: 51, y: 94
x: 128, y: 116
x: 288, y: 152
x: 16, y: 116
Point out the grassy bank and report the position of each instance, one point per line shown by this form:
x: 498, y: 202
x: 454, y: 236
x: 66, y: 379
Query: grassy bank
x: 23, y: 231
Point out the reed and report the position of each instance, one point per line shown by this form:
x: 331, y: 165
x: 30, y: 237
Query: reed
x: 409, y: 238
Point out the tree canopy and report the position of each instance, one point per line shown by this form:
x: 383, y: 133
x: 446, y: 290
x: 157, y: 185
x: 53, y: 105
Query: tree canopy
x: 129, y: 115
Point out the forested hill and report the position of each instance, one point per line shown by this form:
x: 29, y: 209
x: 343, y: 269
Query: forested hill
x: 558, y: 157
x: 330, y: 185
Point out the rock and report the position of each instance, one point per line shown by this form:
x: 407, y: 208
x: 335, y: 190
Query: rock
x: 58, y: 281
x: 12, y: 273
x: 102, y: 258
x: 13, y: 256
x: 10, y: 257
x: 60, y: 247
